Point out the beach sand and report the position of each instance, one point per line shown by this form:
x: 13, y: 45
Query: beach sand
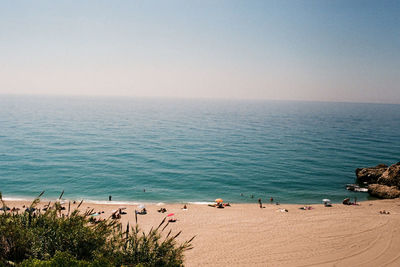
x: 245, y: 235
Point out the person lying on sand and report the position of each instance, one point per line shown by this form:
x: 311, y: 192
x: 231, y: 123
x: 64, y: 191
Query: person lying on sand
x: 172, y: 220
x: 121, y: 212
x: 142, y: 212
x: 162, y: 210
x: 384, y: 212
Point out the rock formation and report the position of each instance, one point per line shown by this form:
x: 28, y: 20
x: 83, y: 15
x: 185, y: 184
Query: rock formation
x: 391, y: 176
x: 383, y: 191
x: 370, y: 175
x: 383, y: 181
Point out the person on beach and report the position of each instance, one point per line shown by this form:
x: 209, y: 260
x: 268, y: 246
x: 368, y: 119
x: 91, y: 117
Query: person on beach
x: 109, y: 198
x: 162, y: 210
x: 259, y: 202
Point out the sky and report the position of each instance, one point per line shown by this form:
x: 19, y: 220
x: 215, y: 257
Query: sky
x: 280, y: 50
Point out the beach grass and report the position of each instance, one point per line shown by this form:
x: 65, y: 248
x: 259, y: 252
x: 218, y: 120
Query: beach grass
x: 46, y: 237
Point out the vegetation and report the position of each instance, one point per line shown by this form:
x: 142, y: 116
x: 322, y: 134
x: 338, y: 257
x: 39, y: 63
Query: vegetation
x: 56, y: 238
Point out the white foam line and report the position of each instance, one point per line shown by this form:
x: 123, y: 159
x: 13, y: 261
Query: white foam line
x: 17, y: 199
x: 105, y: 202
x: 201, y: 203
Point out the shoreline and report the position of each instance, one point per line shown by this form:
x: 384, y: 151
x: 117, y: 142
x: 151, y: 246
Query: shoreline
x: 148, y: 202
x: 113, y: 202
x: 245, y: 235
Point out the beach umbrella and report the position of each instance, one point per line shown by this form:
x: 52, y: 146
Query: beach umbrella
x: 326, y: 200
x: 141, y: 206
x: 219, y: 200
x: 171, y: 214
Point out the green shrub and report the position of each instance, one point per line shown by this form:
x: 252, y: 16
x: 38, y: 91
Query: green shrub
x: 50, y: 238
x: 64, y: 259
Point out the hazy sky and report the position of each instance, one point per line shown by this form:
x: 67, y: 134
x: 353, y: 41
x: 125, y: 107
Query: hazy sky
x: 297, y: 50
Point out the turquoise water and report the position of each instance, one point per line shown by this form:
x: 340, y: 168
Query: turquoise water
x: 190, y: 150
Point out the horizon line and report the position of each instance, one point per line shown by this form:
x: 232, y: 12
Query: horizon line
x: 193, y: 98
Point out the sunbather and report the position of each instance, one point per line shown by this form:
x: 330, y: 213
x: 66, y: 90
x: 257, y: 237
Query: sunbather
x: 142, y: 212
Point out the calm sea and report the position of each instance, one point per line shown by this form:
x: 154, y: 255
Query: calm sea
x: 190, y: 150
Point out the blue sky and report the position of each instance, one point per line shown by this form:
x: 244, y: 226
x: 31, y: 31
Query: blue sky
x: 290, y: 50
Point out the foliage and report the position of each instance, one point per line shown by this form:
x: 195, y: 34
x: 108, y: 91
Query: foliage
x: 63, y: 259
x: 54, y: 238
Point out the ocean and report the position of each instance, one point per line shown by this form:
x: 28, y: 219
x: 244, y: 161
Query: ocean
x: 182, y: 150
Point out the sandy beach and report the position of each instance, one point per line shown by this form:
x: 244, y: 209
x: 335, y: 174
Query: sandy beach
x: 246, y: 235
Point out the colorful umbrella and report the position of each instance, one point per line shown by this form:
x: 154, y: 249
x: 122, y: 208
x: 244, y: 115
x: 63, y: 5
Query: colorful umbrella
x: 219, y: 200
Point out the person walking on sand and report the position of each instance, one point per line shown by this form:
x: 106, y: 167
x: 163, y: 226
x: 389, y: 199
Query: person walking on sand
x: 259, y: 202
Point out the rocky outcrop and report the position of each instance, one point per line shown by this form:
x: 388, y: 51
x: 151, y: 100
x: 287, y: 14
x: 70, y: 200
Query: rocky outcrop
x: 391, y: 176
x: 384, y: 181
x: 370, y: 175
x: 383, y: 191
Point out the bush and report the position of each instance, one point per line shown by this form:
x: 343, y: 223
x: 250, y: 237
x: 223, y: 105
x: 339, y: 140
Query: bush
x: 64, y: 259
x: 50, y: 238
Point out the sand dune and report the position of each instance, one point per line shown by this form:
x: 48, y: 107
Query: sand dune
x: 245, y: 235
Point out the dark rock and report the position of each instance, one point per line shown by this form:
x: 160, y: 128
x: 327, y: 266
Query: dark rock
x: 370, y: 175
x: 383, y: 191
x: 384, y: 181
x: 391, y: 177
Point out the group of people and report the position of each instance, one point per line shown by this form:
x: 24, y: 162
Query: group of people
x: 384, y: 212
x: 141, y: 212
x: 220, y: 205
x: 162, y: 210
x: 260, y: 202
x: 347, y: 201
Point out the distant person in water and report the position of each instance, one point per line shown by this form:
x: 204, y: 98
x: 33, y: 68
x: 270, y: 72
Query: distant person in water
x: 109, y: 198
x: 259, y: 202
x: 271, y: 199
